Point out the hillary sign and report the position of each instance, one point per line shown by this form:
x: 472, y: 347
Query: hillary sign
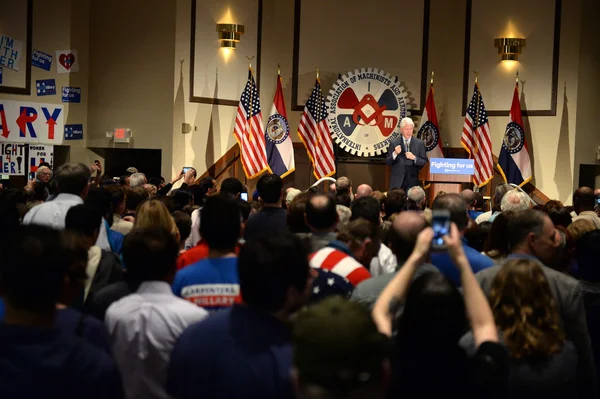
x: 452, y: 166
x: 31, y: 122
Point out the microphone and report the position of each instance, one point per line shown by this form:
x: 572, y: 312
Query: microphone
x: 446, y: 147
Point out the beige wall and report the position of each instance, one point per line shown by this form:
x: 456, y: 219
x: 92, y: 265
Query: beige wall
x: 131, y: 79
x: 48, y: 36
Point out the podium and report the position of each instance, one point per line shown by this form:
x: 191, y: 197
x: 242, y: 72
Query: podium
x: 447, y: 174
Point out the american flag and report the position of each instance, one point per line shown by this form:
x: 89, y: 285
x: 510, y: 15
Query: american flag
x: 314, y: 133
x: 476, y: 139
x: 249, y: 131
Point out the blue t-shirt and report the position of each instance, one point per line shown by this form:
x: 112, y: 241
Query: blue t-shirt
x: 474, y: 214
x: 49, y: 363
x: 211, y: 283
x: 238, y: 353
x: 444, y: 263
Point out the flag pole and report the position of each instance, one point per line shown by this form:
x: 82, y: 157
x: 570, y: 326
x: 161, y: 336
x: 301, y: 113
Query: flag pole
x: 431, y: 81
x: 250, y: 102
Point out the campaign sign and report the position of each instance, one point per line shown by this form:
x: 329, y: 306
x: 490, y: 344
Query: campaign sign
x: 71, y: 94
x: 41, y: 60
x: 452, y: 166
x: 10, y: 52
x: 12, y: 158
x: 45, y: 87
x: 26, y: 122
x: 74, y: 132
x: 39, y: 153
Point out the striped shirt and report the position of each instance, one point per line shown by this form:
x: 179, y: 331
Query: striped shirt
x: 340, y: 263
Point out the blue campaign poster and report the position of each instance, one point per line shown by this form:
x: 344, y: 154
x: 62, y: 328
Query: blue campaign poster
x: 74, y: 132
x: 71, y: 94
x: 45, y: 87
x: 41, y: 60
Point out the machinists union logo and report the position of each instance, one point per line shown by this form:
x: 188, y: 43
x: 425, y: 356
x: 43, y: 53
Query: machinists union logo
x: 514, y: 138
x: 277, y: 129
x: 430, y: 135
x: 365, y: 110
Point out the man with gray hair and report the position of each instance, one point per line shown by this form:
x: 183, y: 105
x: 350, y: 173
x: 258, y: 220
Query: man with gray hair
x: 514, y: 201
x: 406, y: 157
x: 501, y: 190
x: 72, y: 186
x: 137, y: 179
x: 343, y: 185
x: 416, y: 198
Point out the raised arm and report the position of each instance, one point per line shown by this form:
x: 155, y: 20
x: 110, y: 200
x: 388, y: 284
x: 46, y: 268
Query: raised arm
x: 478, y: 309
x: 398, y: 286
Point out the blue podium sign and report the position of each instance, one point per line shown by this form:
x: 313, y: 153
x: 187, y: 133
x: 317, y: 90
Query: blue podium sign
x: 452, y: 166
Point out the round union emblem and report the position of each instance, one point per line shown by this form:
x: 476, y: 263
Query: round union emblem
x: 365, y: 110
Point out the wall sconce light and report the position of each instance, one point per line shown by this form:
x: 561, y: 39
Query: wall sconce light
x: 229, y: 34
x: 509, y: 47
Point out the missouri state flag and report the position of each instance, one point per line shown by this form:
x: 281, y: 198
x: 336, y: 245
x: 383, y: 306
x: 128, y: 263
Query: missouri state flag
x: 429, y: 131
x: 280, y: 152
x: 514, y: 162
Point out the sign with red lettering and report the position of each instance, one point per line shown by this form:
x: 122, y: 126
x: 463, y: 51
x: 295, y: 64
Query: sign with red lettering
x: 31, y: 122
x: 12, y: 158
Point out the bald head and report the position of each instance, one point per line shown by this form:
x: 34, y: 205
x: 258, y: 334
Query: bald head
x: 321, y: 213
x: 364, y: 190
x: 468, y: 196
x: 584, y: 199
x: 403, y: 236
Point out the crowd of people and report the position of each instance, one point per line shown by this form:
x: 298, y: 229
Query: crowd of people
x: 132, y: 288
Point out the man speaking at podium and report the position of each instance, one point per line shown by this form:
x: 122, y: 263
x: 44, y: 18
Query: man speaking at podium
x: 406, y: 156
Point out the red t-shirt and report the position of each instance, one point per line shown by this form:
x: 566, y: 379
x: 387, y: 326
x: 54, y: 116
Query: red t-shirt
x: 195, y: 254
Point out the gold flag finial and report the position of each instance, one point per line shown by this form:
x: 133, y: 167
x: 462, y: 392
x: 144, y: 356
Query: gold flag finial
x: 476, y: 77
x: 278, y: 69
x: 250, y: 62
x: 317, y: 68
x: 517, y: 76
x: 432, y: 73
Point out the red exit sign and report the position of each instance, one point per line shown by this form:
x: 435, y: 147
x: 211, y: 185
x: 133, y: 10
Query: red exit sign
x: 119, y: 134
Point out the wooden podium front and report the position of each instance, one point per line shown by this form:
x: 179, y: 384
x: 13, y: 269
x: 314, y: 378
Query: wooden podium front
x: 449, y: 183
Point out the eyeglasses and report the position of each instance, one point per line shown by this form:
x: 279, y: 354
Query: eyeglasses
x: 45, y: 174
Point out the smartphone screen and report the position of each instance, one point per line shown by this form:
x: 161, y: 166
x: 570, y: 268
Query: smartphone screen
x: 31, y: 175
x: 244, y: 196
x: 441, y: 227
x: 186, y: 169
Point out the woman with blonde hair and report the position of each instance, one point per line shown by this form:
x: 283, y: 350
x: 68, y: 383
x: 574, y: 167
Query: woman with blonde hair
x: 153, y: 214
x: 543, y: 364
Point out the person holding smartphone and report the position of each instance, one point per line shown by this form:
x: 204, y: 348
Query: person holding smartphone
x: 427, y: 360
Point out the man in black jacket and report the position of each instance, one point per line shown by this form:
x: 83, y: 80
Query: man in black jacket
x: 406, y: 156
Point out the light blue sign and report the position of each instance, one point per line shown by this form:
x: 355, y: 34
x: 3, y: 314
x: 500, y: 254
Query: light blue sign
x: 452, y: 166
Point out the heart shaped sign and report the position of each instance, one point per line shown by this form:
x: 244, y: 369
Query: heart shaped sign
x: 67, y: 60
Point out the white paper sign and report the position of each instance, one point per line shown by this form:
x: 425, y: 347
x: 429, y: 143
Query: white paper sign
x: 35, y: 123
x: 67, y: 61
x: 39, y: 153
x: 10, y: 52
x: 12, y: 158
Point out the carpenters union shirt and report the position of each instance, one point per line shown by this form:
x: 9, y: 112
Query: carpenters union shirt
x: 211, y: 283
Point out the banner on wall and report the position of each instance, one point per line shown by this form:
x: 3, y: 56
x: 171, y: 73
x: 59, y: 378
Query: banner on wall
x: 34, y: 123
x: 71, y: 94
x: 67, y: 61
x: 39, y: 153
x: 10, y: 52
x: 46, y: 87
x: 12, y: 158
x: 41, y: 60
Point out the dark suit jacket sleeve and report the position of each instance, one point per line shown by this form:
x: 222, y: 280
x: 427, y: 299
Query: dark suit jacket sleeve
x: 389, y: 160
x: 421, y: 156
x: 576, y: 330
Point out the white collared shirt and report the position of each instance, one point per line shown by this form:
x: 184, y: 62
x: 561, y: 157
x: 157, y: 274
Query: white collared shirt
x: 53, y: 214
x: 384, y: 263
x: 143, y: 328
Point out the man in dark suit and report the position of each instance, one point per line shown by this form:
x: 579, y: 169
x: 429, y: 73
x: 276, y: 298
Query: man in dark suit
x: 406, y: 156
x: 531, y: 234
